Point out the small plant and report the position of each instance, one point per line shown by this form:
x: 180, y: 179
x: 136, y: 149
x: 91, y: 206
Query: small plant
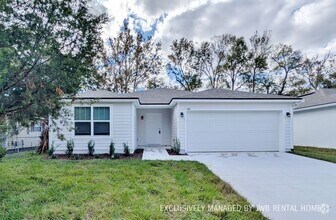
x: 3, y: 152
x: 91, y: 149
x: 116, y: 156
x: 176, y: 148
x: 76, y: 156
x: 70, y: 147
x: 112, y: 149
x: 126, y: 149
x: 51, y: 151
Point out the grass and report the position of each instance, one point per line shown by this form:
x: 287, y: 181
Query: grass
x: 316, y: 152
x: 32, y: 187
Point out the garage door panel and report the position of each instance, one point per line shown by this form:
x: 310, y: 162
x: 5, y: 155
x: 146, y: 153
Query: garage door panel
x: 232, y: 131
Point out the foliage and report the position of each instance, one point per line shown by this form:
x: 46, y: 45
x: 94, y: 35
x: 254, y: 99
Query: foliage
x: 130, y: 60
x: 318, y: 71
x: 211, y: 59
x: 51, y: 151
x: 286, y: 61
x: 77, y: 189
x: 235, y: 61
x: 126, y: 149
x: 257, y: 58
x: 112, y: 149
x: 91, y: 148
x: 183, y: 65
x: 47, y: 49
x: 176, y: 148
x: 3, y: 152
x: 70, y: 148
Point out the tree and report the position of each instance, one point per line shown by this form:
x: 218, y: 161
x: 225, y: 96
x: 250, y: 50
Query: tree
x: 257, y: 58
x: 47, y: 49
x: 212, y: 57
x: 318, y: 70
x: 156, y: 82
x: 235, y: 61
x: 286, y: 62
x: 184, y: 64
x: 130, y: 60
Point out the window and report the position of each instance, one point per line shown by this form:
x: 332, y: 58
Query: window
x: 82, y: 120
x: 35, y: 127
x: 101, y: 121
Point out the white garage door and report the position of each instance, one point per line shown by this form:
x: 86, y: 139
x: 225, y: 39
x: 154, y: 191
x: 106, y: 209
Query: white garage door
x: 232, y: 131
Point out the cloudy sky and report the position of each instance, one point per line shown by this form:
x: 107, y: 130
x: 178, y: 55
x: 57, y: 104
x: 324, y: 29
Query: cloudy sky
x: 309, y: 25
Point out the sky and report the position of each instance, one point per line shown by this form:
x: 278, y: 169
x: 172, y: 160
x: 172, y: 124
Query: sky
x: 308, y: 25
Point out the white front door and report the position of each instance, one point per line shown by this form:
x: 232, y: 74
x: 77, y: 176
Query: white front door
x: 154, y: 128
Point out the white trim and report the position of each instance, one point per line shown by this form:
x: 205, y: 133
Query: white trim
x: 91, y: 106
x: 315, y: 107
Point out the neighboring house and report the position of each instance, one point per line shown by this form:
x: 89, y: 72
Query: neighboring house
x: 315, y: 119
x: 24, y: 136
x: 207, y: 121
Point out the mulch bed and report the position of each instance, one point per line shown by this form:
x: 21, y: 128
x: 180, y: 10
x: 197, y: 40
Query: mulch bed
x: 170, y: 152
x: 137, y: 155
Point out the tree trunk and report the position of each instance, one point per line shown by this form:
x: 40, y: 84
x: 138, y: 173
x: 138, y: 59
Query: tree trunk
x: 44, y: 140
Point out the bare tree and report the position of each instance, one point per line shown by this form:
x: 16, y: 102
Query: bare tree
x: 130, y: 61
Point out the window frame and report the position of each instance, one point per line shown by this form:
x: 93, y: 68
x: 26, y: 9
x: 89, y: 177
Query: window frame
x: 99, y: 120
x: 92, y: 120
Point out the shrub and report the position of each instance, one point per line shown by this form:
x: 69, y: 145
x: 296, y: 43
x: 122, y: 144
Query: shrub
x: 3, y: 152
x: 70, y: 147
x: 116, y: 156
x: 126, y: 149
x: 91, y: 149
x: 112, y: 149
x: 51, y: 151
x: 176, y: 146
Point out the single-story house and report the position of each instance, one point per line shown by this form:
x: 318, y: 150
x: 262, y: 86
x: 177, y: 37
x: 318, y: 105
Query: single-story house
x: 315, y: 119
x: 213, y: 120
x: 23, y: 137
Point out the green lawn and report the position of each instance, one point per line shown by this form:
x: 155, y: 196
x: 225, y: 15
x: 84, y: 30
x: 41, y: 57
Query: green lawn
x: 317, y: 153
x: 32, y: 187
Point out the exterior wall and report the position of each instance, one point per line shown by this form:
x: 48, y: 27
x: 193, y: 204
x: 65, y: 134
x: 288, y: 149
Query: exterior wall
x: 166, y: 125
x: 285, y: 123
x: 121, y: 130
x: 24, y: 138
x: 315, y: 128
x: 174, y: 122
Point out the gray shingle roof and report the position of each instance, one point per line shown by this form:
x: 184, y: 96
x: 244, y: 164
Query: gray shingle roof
x: 317, y: 98
x: 229, y: 94
x: 165, y: 96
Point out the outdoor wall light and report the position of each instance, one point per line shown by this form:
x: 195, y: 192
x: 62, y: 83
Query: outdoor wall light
x: 182, y: 114
x: 288, y: 114
x: 142, y: 117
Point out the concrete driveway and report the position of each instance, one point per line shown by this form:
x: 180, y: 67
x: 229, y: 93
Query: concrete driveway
x: 281, y: 185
